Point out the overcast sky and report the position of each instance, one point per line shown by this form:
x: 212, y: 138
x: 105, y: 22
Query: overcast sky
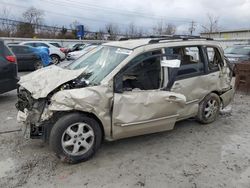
x: 232, y: 14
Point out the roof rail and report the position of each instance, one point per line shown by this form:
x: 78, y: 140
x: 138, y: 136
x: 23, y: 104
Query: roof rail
x: 158, y: 38
x: 186, y: 37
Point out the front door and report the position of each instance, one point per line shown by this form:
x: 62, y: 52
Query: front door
x: 139, y: 105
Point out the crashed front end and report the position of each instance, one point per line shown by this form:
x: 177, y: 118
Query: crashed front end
x: 33, y: 113
x: 34, y: 96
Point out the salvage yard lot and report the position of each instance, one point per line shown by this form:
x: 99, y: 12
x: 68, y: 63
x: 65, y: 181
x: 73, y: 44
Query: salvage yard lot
x: 191, y: 155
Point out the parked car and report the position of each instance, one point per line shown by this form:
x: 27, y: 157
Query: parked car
x: 238, y: 53
x: 76, y: 54
x: 56, y: 54
x: 27, y: 57
x: 76, y: 47
x: 8, y: 69
x: 56, y: 44
x: 122, y: 89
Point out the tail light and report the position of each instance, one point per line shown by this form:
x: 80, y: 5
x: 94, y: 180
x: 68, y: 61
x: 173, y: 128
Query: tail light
x: 63, y: 50
x: 11, y: 58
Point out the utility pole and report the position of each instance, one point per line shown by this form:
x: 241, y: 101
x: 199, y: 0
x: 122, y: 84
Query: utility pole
x: 192, y: 27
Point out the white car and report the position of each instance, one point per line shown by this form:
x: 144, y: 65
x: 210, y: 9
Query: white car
x: 77, y: 54
x: 56, y: 54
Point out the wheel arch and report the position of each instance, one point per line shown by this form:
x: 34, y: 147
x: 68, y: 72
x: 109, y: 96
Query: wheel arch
x: 53, y: 54
x: 219, y: 95
x: 215, y: 92
x: 59, y: 114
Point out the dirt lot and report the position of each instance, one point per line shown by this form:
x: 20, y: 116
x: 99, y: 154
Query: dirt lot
x: 192, y: 155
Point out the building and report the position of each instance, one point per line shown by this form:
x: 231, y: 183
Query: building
x: 234, y: 34
x: 229, y: 38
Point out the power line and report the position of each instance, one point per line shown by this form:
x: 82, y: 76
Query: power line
x: 81, y: 5
x: 119, y: 11
x: 61, y: 14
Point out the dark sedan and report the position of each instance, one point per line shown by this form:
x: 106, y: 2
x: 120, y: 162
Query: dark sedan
x: 8, y: 69
x: 27, y: 58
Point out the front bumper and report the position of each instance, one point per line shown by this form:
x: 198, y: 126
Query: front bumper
x: 39, y: 130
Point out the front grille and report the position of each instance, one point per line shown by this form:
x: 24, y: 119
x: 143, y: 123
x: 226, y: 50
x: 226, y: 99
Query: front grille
x: 25, y: 100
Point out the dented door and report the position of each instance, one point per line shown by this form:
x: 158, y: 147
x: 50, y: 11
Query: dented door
x: 140, y: 112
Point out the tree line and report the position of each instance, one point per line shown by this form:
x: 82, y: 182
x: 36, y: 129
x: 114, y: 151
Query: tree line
x: 32, y: 26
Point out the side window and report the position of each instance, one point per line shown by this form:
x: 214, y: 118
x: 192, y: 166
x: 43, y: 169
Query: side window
x: 31, y: 44
x: 26, y: 50
x: 143, y: 72
x: 41, y: 44
x: 214, y: 59
x: 15, y: 49
x: 192, y: 63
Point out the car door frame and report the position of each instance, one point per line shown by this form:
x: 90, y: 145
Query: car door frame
x: 128, y: 121
x: 186, y: 82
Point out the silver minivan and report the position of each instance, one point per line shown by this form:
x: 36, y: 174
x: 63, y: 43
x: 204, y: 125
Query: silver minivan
x: 122, y: 89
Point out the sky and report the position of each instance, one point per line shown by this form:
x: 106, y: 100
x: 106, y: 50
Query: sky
x: 95, y: 14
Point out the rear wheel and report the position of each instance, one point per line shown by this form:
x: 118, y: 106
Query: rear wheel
x: 209, y: 109
x: 55, y: 59
x: 75, y: 137
x: 38, y: 65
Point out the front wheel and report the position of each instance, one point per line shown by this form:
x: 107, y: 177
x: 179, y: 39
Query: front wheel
x: 209, y: 109
x: 75, y: 137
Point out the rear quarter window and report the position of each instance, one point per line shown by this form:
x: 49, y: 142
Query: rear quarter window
x: 214, y: 59
x: 7, y: 51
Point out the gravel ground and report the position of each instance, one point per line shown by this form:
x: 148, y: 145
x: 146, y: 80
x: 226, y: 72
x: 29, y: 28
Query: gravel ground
x: 191, y: 155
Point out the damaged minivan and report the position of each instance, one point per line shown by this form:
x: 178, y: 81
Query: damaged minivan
x: 123, y: 89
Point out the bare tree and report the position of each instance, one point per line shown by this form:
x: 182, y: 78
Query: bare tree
x: 170, y: 29
x: 131, y: 30
x: 212, y: 24
x: 158, y: 28
x: 164, y: 29
x: 100, y: 35
x: 7, y: 28
x: 112, y: 30
x: 33, y: 16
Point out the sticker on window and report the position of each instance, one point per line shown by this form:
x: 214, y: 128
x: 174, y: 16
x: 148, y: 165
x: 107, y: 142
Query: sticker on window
x: 174, y: 63
x: 123, y: 51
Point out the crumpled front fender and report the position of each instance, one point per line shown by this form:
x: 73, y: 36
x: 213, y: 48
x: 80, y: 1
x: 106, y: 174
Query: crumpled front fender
x: 95, y: 100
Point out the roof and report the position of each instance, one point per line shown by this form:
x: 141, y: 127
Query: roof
x: 135, y: 43
x: 17, y: 45
x: 129, y: 44
x: 36, y: 41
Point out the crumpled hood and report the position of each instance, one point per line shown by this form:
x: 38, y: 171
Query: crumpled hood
x: 41, y: 82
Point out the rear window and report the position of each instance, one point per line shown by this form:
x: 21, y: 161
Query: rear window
x: 14, y: 49
x: 56, y: 44
x: 7, y: 52
x: 31, y: 44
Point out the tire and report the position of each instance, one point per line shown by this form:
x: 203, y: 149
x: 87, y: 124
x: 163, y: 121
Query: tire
x: 55, y: 59
x: 38, y: 65
x: 75, y: 138
x: 209, y: 109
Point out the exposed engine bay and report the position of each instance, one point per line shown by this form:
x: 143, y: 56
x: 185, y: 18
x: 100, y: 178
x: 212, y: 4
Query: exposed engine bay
x: 34, y: 113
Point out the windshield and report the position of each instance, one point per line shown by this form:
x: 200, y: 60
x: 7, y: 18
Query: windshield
x: 98, y: 63
x: 241, y: 50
